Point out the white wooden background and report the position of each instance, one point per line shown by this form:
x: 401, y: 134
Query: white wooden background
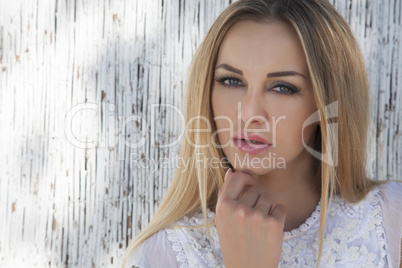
x: 77, y: 83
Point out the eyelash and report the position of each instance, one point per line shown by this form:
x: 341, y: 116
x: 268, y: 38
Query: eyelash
x: 292, y: 89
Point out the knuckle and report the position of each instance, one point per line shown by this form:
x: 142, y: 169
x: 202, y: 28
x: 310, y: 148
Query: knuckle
x: 223, y: 205
x: 258, y: 217
x: 241, y: 210
x: 273, y: 223
x: 282, y: 209
x: 226, y: 202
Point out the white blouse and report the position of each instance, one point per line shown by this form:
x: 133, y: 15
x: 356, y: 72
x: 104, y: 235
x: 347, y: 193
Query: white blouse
x: 365, y: 234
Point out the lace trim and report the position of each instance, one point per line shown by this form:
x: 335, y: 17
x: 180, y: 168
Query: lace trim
x: 375, y: 202
x: 177, y: 247
x: 295, y: 232
x: 195, y: 250
x: 347, y: 239
x: 306, y: 225
x: 346, y: 242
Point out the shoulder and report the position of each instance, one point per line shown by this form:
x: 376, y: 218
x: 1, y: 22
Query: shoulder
x: 367, y: 231
x: 390, y: 198
x: 390, y: 201
x: 386, y: 199
x: 184, y: 244
x: 378, y: 213
x: 390, y: 191
x: 192, y: 244
x: 156, y: 245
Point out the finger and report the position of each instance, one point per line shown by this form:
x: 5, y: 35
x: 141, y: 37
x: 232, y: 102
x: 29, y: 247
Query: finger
x: 227, y: 175
x: 279, y: 212
x: 235, y: 184
x: 264, y: 204
x: 249, y: 197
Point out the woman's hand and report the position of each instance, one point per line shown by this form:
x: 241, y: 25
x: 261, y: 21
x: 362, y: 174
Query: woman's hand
x: 250, y: 229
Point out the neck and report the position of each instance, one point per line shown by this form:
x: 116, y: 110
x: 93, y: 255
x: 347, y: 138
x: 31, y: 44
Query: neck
x: 294, y: 187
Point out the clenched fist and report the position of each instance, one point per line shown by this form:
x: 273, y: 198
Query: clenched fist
x: 250, y: 228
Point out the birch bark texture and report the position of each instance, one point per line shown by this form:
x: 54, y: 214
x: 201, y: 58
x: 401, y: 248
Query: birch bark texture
x: 91, y: 122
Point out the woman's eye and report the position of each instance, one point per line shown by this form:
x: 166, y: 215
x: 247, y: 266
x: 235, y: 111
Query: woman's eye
x: 229, y: 81
x: 285, y: 89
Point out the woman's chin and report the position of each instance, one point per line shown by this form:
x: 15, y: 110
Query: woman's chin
x: 257, y: 171
x: 257, y: 165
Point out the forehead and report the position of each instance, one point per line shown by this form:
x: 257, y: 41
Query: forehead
x: 260, y: 44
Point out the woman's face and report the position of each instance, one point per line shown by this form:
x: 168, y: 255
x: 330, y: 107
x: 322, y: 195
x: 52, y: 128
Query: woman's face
x: 261, y: 96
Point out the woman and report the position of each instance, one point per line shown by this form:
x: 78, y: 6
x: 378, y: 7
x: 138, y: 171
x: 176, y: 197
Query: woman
x: 296, y: 193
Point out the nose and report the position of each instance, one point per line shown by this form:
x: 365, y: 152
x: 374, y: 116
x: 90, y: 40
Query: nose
x: 253, y: 110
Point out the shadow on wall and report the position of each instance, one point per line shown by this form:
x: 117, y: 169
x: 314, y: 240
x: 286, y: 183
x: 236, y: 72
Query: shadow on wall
x: 75, y: 196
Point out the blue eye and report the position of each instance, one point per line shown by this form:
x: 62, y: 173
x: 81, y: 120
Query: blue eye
x: 280, y: 87
x: 284, y: 88
x: 228, y: 81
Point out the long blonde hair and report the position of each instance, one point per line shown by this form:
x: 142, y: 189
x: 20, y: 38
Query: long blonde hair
x: 337, y: 74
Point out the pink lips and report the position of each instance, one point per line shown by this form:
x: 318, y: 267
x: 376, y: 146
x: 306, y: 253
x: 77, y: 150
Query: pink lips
x: 251, y: 143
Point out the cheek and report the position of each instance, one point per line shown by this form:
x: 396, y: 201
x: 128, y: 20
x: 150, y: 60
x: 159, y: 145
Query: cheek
x: 223, y: 109
x: 220, y: 97
x: 220, y: 109
x: 216, y: 103
x: 289, y: 131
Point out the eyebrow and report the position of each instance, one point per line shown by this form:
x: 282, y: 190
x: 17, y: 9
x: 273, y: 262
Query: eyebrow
x: 269, y: 75
x: 229, y: 68
x: 285, y: 73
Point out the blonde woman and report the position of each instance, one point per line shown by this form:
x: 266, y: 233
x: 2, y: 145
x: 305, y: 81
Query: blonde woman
x: 278, y: 101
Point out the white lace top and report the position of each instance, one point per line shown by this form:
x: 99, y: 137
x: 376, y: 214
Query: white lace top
x: 366, y: 234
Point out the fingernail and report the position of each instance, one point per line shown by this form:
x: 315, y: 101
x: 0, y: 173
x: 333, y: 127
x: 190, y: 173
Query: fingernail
x: 227, y: 174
